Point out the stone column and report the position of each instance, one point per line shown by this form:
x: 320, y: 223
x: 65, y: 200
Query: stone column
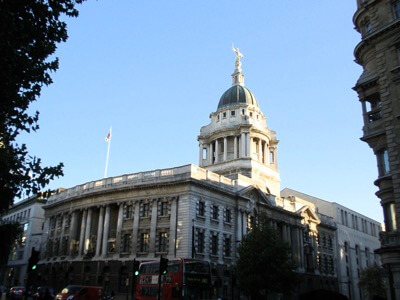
x: 225, y: 148
x: 284, y: 233
x: 243, y: 145
x: 210, y: 154
x: 72, y: 233
x: 235, y: 148
x: 301, y: 247
x: 82, y: 233
x: 266, y: 154
x: 119, y: 229
x: 172, y: 227
x: 238, y: 227
x: 289, y: 234
x: 63, y: 221
x: 87, y: 231
x: 216, y: 151
x: 248, y: 145
x: 260, y: 154
x: 153, y: 228
x: 100, y: 231
x: 200, y: 154
x: 106, y: 231
x: 244, y: 222
x: 135, y: 236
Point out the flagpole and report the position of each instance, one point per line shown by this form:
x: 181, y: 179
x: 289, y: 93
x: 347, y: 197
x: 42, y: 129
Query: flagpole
x: 108, y: 153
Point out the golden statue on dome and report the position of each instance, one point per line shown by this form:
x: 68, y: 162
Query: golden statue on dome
x: 239, y: 55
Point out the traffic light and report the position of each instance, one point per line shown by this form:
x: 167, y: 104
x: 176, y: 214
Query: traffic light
x: 33, y: 260
x: 163, y: 265
x: 136, y: 266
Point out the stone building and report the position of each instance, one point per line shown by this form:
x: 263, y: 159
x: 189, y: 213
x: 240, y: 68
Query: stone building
x: 353, y: 246
x: 30, y: 214
x: 94, y: 231
x: 378, y: 22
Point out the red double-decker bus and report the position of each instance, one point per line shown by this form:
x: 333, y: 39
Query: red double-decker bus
x: 186, y: 279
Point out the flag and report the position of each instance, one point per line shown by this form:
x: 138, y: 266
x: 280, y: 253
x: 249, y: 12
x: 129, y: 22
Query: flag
x: 108, y: 136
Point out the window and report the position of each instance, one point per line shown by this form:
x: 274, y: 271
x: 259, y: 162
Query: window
x: 233, y: 113
x: 204, y: 153
x: 251, y: 114
x: 128, y: 212
x: 217, y: 118
x: 202, y: 209
x: 346, y: 247
x: 356, y: 219
x: 214, y: 215
x: 126, y: 243
x: 224, y: 115
x: 144, y: 242
x: 396, y: 8
x: 228, y: 216
x: 345, y: 218
x: 162, y: 241
x: 383, y: 162
x: 214, y: 245
x: 200, y: 242
x: 227, y: 247
x: 271, y: 157
x: 242, y: 111
x: 146, y: 210
x: 164, y: 208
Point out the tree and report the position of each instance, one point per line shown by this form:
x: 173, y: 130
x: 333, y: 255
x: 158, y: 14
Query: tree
x: 29, y: 33
x: 371, y: 282
x: 264, y: 265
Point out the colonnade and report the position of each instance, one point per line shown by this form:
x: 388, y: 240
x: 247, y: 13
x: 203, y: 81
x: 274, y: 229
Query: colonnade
x: 83, y: 238
x: 244, y: 146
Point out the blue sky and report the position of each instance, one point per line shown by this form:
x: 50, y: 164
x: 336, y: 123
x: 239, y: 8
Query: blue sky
x: 155, y: 70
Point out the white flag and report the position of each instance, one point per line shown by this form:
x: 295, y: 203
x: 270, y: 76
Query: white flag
x: 108, y: 137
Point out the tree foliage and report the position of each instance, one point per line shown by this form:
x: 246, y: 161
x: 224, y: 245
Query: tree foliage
x: 29, y: 33
x: 371, y: 282
x: 264, y: 264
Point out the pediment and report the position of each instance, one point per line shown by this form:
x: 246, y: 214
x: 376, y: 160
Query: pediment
x: 309, y: 216
x: 254, y: 194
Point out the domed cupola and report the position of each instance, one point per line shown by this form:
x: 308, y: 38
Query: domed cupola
x: 236, y: 95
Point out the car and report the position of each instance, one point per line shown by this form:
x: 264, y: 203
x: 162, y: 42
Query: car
x: 40, y: 293
x: 68, y: 291
x: 16, y: 293
x: 88, y: 293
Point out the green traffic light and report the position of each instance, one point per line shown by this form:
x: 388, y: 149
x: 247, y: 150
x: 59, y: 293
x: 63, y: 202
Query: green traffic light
x: 136, y: 273
x: 34, y: 267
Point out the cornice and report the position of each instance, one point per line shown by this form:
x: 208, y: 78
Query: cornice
x: 373, y: 36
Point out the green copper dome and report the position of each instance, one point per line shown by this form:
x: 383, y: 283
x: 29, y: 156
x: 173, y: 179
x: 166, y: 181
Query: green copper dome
x: 236, y: 95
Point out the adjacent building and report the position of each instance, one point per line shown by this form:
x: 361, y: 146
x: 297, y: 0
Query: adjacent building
x: 30, y: 214
x: 356, y: 239
x: 378, y: 88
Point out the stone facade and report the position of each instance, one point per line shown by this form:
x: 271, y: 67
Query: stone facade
x: 95, y: 230
x: 378, y: 89
x: 351, y: 248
